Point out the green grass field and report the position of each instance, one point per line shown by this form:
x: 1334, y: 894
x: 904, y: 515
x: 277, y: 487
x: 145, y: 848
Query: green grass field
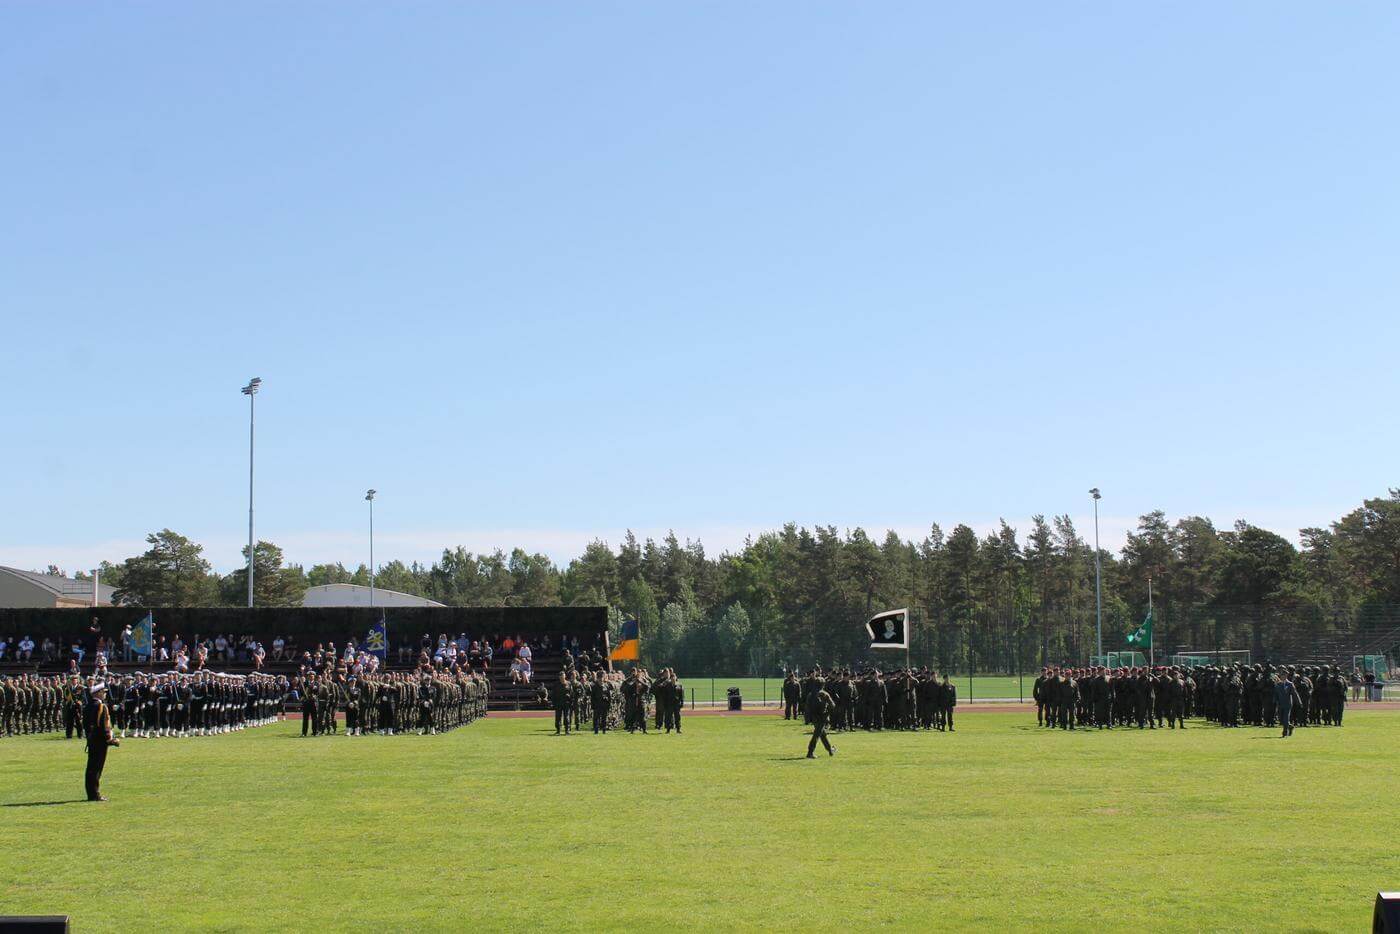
x: 979, y: 687
x: 501, y: 825
x: 708, y: 690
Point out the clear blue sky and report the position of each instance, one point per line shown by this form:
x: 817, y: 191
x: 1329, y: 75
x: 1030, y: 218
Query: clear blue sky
x: 539, y: 272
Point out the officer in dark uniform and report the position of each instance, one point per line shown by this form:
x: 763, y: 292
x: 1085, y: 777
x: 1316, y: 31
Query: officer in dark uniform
x: 792, y: 696
x: 97, y: 724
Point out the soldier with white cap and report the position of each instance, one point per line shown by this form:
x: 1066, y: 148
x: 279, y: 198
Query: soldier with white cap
x: 97, y: 723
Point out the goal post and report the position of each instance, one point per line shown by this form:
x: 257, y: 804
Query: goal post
x: 1220, y: 658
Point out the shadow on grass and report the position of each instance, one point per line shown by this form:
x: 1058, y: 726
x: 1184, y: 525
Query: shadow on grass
x: 43, y: 804
x: 789, y: 759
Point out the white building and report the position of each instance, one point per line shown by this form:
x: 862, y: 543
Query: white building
x: 356, y: 595
x: 32, y: 589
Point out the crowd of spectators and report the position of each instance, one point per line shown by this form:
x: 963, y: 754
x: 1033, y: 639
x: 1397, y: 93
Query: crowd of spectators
x: 516, y: 653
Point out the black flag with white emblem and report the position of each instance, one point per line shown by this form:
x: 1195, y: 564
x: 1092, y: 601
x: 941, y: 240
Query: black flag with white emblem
x: 889, y: 630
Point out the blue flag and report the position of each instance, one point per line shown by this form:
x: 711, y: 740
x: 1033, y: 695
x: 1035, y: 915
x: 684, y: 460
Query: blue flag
x: 377, y: 642
x: 142, y: 636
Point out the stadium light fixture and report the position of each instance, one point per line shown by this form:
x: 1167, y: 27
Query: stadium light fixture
x: 369, y: 497
x: 250, y: 391
x: 1098, y: 577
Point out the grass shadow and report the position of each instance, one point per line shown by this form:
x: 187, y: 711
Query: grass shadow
x: 43, y: 804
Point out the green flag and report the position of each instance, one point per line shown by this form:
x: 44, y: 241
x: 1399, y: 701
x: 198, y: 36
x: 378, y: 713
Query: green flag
x: 1143, y: 634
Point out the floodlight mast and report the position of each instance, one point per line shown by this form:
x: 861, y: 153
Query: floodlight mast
x: 251, y: 391
x: 1098, y: 576
x: 369, y: 496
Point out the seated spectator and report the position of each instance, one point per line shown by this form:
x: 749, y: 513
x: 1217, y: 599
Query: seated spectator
x: 176, y: 646
x: 524, y: 651
x: 26, y: 649
x: 516, y: 672
x: 486, y: 655
x: 77, y: 652
x: 182, y: 660
x: 508, y: 645
x: 4, y: 646
x: 220, y: 647
x: 526, y: 671
x: 278, y: 644
x: 49, y: 650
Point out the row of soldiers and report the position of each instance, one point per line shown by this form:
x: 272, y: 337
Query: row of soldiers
x: 428, y: 701
x: 606, y: 700
x: 1104, y: 698
x: 31, y: 703
x: 1151, y: 697
x: 1244, y: 694
x: 143, y: 705
x: 903, y: 699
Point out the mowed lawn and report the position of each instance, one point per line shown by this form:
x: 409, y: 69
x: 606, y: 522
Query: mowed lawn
x: 503, y: 826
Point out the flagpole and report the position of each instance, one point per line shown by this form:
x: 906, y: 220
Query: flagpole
x: 1151, y: 636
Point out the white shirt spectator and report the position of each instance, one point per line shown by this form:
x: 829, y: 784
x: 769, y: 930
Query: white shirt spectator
x: 525, y: 652
x: 221, y: 645
x: 3, y: 646
x: 26, y: 648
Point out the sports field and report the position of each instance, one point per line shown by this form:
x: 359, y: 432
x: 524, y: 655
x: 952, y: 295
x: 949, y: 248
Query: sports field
x: 501, y: 825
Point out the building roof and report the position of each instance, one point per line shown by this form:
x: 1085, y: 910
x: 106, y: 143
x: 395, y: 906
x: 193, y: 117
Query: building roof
x: 357, y: 595
x: 66, y: 587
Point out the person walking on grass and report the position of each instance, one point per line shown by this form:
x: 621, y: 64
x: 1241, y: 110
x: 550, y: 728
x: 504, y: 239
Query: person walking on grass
x: 1285, y: 698
x: 819, y: 709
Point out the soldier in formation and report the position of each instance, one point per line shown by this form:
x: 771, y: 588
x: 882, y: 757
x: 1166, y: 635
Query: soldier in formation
x: 426, y: 701
x: 31, y: 703
x: 901, y: 699
x: 199, y: 704
x: 605, y: 699
x: 1245, y: 695
x: 1165, y: 696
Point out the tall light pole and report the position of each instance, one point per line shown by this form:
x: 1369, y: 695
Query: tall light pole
x: 1098, y: 577
x: 369, y: 495
x: 250, y: 391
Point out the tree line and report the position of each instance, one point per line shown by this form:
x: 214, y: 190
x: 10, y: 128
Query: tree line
x: 1000, y: 601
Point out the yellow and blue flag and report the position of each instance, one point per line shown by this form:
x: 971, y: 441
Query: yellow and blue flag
x: 377, y: 642
x: 628, y: 647
x: 143, y: 635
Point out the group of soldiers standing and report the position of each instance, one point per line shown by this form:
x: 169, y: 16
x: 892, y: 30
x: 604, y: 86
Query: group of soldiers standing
x: 427, y: 701
x: 1149, y: 697
x: 903, y: 699
x: 143, y: 705
x: 608, y: 700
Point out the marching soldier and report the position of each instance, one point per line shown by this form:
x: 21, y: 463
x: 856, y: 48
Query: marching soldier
x: 819, y: 709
